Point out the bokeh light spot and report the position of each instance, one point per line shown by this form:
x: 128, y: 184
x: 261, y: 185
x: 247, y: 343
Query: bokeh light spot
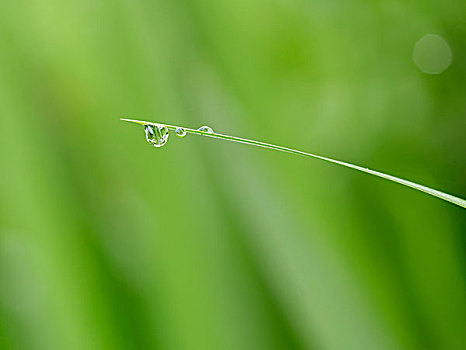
x: 432, y: 54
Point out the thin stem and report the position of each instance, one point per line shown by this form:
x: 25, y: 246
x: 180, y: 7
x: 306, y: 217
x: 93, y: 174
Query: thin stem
x: 447, y: 197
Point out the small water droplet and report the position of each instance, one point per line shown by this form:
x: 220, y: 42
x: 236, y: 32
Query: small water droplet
x: 207, y: 129
x: 157, y: 135
x: 180, y: 132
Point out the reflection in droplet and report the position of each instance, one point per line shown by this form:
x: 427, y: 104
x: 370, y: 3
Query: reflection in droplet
x: 432, y: 54
x: 180, y: 132
x: 156, y: 134
x: 207, y: 129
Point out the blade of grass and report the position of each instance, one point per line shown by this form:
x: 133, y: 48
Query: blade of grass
x: 439, y: 194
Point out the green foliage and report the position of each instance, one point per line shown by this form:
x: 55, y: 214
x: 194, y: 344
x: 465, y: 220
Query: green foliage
x: 106, y: 244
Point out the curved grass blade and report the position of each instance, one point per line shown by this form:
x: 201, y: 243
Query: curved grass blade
x: 439, y: 194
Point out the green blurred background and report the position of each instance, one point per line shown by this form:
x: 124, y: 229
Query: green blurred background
x: 109, y: 243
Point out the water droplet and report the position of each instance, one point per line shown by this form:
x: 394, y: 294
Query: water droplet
x: 156, y: 134
x: 180, y: 132
x: 207, y: 129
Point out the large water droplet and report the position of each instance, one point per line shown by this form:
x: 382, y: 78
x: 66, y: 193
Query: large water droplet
x: 207, y: 129
x: 180, y: 132
x: 156, y: 134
